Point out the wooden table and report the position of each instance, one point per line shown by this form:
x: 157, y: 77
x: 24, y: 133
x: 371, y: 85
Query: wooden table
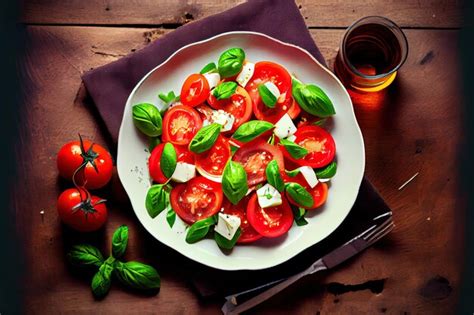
x: 412, y: 127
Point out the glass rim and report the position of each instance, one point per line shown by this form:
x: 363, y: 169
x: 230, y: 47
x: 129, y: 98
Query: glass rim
x: 390, y: 24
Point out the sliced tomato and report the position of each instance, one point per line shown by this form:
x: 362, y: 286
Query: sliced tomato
x: 239, y: 105
x: 319, y: 194
x: 272, y: 221
x: 319, y: 143
x: 195, y: 90
x: 154, y: 165
x: 211, y: 163
x: 294, y: 110
x: 248, y: 232
x: 180, y: 124
x: 255, y: 156
x: 196, y: 200
x: 266, y: 71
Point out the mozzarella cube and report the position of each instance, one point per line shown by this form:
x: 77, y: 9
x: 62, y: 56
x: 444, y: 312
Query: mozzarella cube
x: 183, y: 172
x: 268, y: 196
x: 227, y: 225
x: 273, y: 89
x: 223, y: 118
x: 284, y: 127
x: 213, y: 78
x: 309, y: 175
x: 245, y: 74
x: 291, y: 138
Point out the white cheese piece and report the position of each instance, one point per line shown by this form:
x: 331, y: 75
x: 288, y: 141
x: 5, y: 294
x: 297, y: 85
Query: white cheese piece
x: 227, y: 225
x: 291, y: 138
x: 213, y: 79
x: 214, y: 178
x: 309, y: 175
x: 223, y: 118
x: 183, y: 172
x: 268, y: 196
x: 324, y: 180
x: 273, y: 89
x: 245, y: 74
x: 284, y: 127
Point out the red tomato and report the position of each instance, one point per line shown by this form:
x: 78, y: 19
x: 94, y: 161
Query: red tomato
x: 272, y: 221
x: 255, y: 156
x: 211, y: 163
x: 318, y: 142
x: 319, y: 192
x: 73, y: 155
x: 195, y: 90
x: 239, y: 105
x: 180, y: 124
x: 155, y: 159
x: 196, y: 200
x: 248, y: 232
x: 266, y: 71
x: 79, y: 213
x: 294, y: 110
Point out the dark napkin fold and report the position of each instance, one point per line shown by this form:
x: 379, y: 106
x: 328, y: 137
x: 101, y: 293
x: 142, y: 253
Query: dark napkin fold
x: 110, y: 85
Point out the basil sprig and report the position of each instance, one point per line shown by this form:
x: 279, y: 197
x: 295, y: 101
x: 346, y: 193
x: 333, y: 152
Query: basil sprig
x: 224, y: 243
x: 312, y: 99
x: 298, y: 215
x: 230, y: 62
x: 267, y: 97
x: 199, y: 229
x: 133, y: 274
x: 210, y: 67
x: 273, y: 176
x: 168, y: 160
x: 157, y: 199
x: 327, y: 172
x: 234, y: 182
x: 299, y: 194
x: 251, y: 130
x: 169, y: 97
x: 171, y: 217
x: 205, y: 138
x: 224, y: 90
x: 147, y: 119
x: 295, y: 150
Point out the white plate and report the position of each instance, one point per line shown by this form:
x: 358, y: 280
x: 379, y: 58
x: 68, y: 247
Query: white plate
x: 133, y: 155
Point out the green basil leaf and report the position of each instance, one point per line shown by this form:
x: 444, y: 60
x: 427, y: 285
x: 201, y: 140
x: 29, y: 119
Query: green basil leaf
x: 147, y: 119
x: 299, y: 194
x: 102, y: 280
x: 85, y: 254
x: 295, y: 150
x: 205, y: 138
x: 224, y: 90
x: 222, y: 242
x: 171, y: 217
x: 157, y: 199
x: 168, y: 98
x: 153, y: 142
x: 234, y: 182
x: 271, y: 140
x: 199, y: 230
x: 230, y: 62
x: 120, y: 241
x: 168, y: 160
x: 313, y: 99
x: 267, y: 97
x: 251, y: 130
x: 273, y: 176
x: 298, y: 215
x: 210, y: 67
x: 293, y: 173
x: 233, y: 149
x: 137, y: 275
x: 320, y: 122
x: 327, y: 172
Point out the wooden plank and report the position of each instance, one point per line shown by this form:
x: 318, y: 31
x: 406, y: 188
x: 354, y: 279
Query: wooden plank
x: 411, y: 127
x: 323, y: 13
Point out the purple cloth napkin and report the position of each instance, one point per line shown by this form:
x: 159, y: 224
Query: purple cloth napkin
x: 110, y: 85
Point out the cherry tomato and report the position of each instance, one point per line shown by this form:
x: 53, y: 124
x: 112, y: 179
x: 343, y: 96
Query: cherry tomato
x: 211, y: 163
x: 255, y: 156
x: 195, y: 90
x: 266, y: 71
x: 197, y: 199
x: 318, y: 192
x: 73, y: 155
x: 79, y: 213
x: 154, y: 166
x: 319, y: 143
x: 239, y: 105
x: 180, y: 124
x: 248, y: 232
x: 272, y: 221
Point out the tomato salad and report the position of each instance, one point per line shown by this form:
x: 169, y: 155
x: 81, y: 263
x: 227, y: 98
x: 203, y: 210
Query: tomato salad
x: 240, y: 153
